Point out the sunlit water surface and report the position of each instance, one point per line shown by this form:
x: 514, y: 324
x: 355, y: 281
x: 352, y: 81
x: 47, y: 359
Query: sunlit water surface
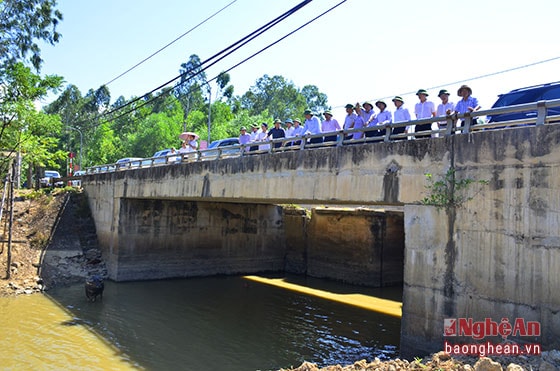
x: 225, y: 323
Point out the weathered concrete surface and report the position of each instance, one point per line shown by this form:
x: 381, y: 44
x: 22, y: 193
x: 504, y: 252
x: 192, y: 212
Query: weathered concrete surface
x: 296, y: 221
x: 361, y: 246
x: 499, y: 255
x: 382, y: 173
x: 162, y: 239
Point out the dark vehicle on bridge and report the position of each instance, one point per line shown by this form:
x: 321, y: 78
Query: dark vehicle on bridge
x: 223, y: 147
x: 128, y: 162
x: 163, y: 157
x: 528, y: 94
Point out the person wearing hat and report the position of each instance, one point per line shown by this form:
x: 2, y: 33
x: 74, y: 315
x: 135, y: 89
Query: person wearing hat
x: 277, y: 132
x: 349, y: 120
x: 244, y: 138
x: 262, y: 138
x: 358, y: 124
x: 383, y: 118
x: 312, y: 126
x: 467, y: 104
x: 254, y: 132
x: 289, y: 128
x: 443, y: 109
x: 298, y: 132
x: 329, y: 125
x: 401, y: 115
x: 423, y: 110
x: 367, y: 113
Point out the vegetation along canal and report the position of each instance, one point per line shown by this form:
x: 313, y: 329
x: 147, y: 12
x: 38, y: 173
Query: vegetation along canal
x: 230, y: 323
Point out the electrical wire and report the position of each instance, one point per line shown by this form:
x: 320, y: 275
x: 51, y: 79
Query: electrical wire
x: 169, y: 44
x: 235, y: 46
x: 243, y: 61
x: 473, y: 78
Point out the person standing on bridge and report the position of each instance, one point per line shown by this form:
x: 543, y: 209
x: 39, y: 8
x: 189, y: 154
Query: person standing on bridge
x: 423, y: 110
x: 262, y: 137
x: 329, y: 125
x: 312, y: 126
x: 349, y: 120
x: 244, y: 138
x: 467, y: 104
x: 298, y: 132
x: 443, y: 109
x: 384, y: 117
x: 254, y: 133
x: 401, y: 115
x: 277, y: 132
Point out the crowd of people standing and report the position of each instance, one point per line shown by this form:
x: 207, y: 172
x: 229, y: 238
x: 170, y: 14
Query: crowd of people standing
x: 364, y: 116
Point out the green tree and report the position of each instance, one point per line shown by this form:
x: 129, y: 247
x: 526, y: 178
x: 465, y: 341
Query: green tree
x: 221, y: 125
x: 277, y: 95
x: 23, y: 129
x: 191, y: 87
x: 242, y: 118
x: 316, y: 101
x: 22, y: 23
x: 157, y: 131
x: 224, y: 90
x: 105, y: 147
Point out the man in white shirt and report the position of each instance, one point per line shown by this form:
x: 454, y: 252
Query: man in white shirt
x: 349, y: 120
x: 444, y: 108
x: 423, y: 110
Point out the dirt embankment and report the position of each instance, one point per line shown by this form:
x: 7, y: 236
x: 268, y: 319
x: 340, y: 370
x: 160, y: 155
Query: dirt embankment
x: 53, y: 242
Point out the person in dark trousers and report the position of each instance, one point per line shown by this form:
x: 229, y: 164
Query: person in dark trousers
x: 277, y: 132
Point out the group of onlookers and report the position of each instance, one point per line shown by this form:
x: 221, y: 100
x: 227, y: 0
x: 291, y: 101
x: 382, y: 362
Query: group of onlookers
x: 364, y: 116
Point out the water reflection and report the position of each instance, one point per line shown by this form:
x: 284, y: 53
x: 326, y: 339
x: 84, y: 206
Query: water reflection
x: 231, y: 323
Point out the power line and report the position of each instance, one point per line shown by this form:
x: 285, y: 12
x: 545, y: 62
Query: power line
x: 236, y: 65
x: 169, y: 44
x: 229, y: 50
x: 475, y: 78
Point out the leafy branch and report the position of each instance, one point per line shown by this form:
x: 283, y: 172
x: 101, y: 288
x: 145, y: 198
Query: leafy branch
x: 447, y: 191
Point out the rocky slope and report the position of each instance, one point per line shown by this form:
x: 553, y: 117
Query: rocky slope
x: 53, y: 243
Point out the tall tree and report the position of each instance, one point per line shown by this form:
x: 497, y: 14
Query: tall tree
x: 277, y: 95
x: 224, y: 90
x: 23, y: 129
x: 316, y: 101
x: 192, y: 86
x: 22, y: 23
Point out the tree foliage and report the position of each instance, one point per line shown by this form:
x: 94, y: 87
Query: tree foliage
x: 24, y: 129
x: 22, y: 23
x: 192, y: 86
x: 281, y: 98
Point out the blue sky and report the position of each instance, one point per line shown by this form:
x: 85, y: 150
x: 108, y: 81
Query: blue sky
x: 362, y: 50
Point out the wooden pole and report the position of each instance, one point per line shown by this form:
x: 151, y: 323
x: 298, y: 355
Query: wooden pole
x: 11, y: 221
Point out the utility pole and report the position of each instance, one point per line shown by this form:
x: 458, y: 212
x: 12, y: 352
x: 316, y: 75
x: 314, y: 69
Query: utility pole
x: 81, y: 143
x: 209, y: 111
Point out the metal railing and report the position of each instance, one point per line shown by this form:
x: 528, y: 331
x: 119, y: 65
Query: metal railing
x: 454, y: 124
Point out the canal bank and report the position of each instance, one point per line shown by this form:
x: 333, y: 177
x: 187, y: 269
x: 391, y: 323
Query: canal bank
x: 53, y: 242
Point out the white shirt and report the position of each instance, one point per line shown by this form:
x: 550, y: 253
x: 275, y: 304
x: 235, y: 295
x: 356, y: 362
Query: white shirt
x: 290, y: 132
x: 424, y: 110
x: 262, y: 137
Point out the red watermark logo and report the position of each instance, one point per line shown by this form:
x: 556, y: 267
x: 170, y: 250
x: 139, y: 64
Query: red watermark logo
x: 478, y: 330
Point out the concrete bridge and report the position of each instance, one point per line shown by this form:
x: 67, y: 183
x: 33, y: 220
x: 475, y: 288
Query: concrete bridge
x: 497, y: 255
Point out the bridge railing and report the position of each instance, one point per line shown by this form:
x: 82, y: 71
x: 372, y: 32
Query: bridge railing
x: 454, y: 124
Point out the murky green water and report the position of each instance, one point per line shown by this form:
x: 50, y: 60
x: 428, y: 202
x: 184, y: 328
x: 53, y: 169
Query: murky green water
x: 225, y: 323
